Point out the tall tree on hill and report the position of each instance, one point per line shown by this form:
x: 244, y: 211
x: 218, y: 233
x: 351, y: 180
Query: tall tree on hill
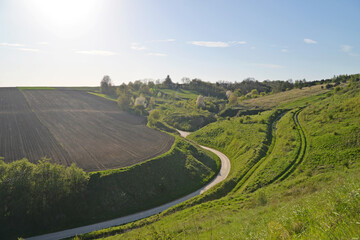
x: 167, y: 82
x: 106, y: 86
x: 200, y: 103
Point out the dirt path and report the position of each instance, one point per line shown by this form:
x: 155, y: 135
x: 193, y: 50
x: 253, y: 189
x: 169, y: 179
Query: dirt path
x: 262, y: 162
x: 224, y: 172
x: 301, y: 152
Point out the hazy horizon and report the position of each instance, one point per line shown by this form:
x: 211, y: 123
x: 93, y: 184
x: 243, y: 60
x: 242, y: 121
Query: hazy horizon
x: 76, y: 43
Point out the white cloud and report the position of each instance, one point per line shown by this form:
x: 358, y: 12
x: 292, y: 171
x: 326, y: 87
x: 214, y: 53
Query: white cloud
x: 284, y: 50
x: 167, y: 40
x: 157, y: 54
x: 28, y: 49
x: 267, y: 65
x: 11, y: 44
x: 238, y: 42
x: 346, y: 48
x: 97, y: 53
x: 43, y: 43
x: 210, y: 44
x: 349, y: 50
x: 310, y: 41
x: 137, y: 46
x: 217, y: 44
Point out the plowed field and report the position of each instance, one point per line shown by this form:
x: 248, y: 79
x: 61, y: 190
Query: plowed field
x: 74, y: 126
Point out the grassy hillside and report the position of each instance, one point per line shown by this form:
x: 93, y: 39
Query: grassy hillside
x: 299, y: 181
x: 102, y: 195
x: 182, y: 170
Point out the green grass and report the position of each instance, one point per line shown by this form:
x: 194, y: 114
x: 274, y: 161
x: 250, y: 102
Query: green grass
x: 283, y: 155
x: 279, y: 99
x: 322, y: 207
x: 181, y: 93
x: 36, y: 88
x: 182, y: 170
x: 306, y: 187
x: 184, y: 115
x: 118, y: 192
x: 104, y: 96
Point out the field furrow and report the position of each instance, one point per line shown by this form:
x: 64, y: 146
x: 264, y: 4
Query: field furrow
x: 95, y: 133
x: 22, y: 134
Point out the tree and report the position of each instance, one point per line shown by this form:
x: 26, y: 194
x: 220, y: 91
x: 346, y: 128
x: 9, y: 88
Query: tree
x: 140, y: 101
x: 200, y: 103
x: 185, y: 80
x: 124, y: 101
x: 232, y: 99
x: 154, y: 116
x: 122, y: 89
x: 106, y: 86
x: 228, y: 94
x: 254, y: 92
x: 152, y: 102
x: 167, y: 82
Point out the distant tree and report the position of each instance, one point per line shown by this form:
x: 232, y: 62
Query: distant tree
x: 124, y: 101
x: 106, y: 86
x: 154, y: 116
x: 122, y: 89
x: 200, y: 103
x: 151, y: 84
x: 328, y: 86
x: 254, y: 92
x: 140, y: 109
x: 185, y: 80
x: 140, y: 101
x: 232, y: 99
x: 144, y: 89
x: 152, y: 102
x: 167, y: 82
x: 228, y: 94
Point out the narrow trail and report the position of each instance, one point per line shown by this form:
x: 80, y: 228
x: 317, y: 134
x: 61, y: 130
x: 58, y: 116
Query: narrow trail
x: 223, y: 173
x: 262, y: 162
x: 301, y: 152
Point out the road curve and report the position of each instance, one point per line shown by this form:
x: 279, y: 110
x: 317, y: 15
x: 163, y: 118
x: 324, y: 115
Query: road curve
x: 224, y: 172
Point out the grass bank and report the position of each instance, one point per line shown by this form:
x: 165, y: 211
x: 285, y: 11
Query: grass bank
x: 102, y: 195
x: 316, y: 154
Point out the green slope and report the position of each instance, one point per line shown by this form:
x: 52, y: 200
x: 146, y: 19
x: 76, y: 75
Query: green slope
x: 298, y: 182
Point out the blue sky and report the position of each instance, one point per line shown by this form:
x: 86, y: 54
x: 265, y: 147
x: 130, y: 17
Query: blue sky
x: 77, y: 42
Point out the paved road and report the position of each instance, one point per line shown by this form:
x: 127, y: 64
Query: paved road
x: 224, y: 171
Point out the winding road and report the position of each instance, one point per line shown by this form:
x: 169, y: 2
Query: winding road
x: 224, y: 172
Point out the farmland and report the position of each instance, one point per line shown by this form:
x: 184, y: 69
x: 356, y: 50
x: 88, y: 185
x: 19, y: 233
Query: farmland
x: 22, y: 134
x: 74, y: 126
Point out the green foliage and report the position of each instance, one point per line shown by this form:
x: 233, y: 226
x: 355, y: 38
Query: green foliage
x: 38, y: 196
x: 106, y: 86
x: 124, y: 101
x: 182, y: 170
x: 57, y: 196
x: 233, y: 99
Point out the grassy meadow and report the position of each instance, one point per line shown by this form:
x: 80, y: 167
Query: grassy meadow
x: 294, y: 175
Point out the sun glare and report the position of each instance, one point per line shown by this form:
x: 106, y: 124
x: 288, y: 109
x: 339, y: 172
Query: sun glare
x: 65, y: 17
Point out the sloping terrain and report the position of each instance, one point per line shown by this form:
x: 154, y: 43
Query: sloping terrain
x: 298, y: 180
x: 74, y: 126
x: 22, y: 134
x: 94, y: 132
